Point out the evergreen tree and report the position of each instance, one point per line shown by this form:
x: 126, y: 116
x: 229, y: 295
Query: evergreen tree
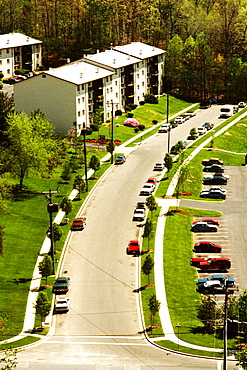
x: 46, y: 267
x: 42, y: 306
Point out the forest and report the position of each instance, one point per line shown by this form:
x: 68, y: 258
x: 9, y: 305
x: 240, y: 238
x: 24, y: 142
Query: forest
x: 205, y: 40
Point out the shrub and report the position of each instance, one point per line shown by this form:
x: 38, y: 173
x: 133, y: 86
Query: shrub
x: 18, y: 72
x: 1, y: 75
x: 127, y: 108
x: 118, y: 112
x: 154, y: 121
x: 89, y: 131
x: 133, y: 106
x: 94, y: 127
x: 142, y: 102
x: 130, y: 115
x: 151, y: 99
x: 141, y: 127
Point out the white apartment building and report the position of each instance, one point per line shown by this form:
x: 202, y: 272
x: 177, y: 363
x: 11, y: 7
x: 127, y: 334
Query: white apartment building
x: 69, y: 95
x: 18, y: 51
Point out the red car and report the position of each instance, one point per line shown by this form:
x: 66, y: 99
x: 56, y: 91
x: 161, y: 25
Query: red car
x: 152, y: 180
x: 208, y: 263
x: 133, y: 248
x: 207, y: 247
x: 209, y: 221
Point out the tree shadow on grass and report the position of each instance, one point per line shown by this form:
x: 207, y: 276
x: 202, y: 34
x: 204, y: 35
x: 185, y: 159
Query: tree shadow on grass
x: 24, y: 194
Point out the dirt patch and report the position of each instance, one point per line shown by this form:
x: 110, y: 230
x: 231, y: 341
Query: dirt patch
x: 178, y: 211
x: 185, y: 193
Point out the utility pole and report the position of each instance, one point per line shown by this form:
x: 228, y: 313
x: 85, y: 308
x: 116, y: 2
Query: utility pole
x: 51, y: 208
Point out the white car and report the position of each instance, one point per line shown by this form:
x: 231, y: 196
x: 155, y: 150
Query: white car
x: 179, y: 120
x: 164, y: 128
x: 159, y: 166
x: 201, y: 130
x: 62, y: 304
x: 139, y: 214
x: 147, y: 189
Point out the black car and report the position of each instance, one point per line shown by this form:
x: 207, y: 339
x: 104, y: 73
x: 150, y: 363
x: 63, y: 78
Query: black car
x: 203, y: 227
x: 208, y: 125
x: 215, y: 180
x: 173, y: 124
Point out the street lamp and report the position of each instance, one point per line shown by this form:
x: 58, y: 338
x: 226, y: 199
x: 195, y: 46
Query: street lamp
x: 83, y: 132
x: 51, y: 208
x: 178, y: 326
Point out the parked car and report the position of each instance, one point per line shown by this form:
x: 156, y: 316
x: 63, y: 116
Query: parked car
x: 141, y: 205
x: 211, y: 287
x: 139, y: 214
x: 213, y: 194
x: 241, y: 104
x: 62, y: 304
x: 210, y: 221
x: 191, y: 113
x: 147, y: 189
x: 208, y: 263
x: 209, y: 162
x: 178, y: 147
x: 216, y: 179
x: 179, y: 120
x: 203, y: 227
x: 164, y: 128
x: 235, y: 109
x: 222, y: 278
x: 173, y: 124
x: 208, y: 125
x: 133, y: 248
x: 159, y: 166
x: 120, y: 159
x: 214, y: 168
x: 186, y: 116
x: 207, y: 247
x: 201, y: 130
x: 152, y: 180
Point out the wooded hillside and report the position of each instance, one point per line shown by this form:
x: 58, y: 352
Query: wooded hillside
x: 205, y: 39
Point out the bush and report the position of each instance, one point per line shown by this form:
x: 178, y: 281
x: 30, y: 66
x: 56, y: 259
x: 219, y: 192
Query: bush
x: 127, y: 108
x: 94, y: 127
x: 141, y: 127
x: 18, y: 72
x: 1, y: 75
x: 142, y: 102
x: 136, y: 129
x: 154, y: 121
x: 133, y: 106
x: 89, y: 131
x: 130, y: 115
x: 151, y: 99
x: 118, y: 112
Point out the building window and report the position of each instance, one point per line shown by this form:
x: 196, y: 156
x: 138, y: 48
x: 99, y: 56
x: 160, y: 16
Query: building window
x: 79, y: 114
x: 37, y: 56
x: 116, y: 83
x: 138, y: 87
x: 137, y: 75
x: 82, y: 99
x: 79, y: 101
x: 0, y: 62
x: 7, y: 50
x: 143, y: 72
x: 8, y: 71
x: 82, y: 87
x: 7, y: 61
x: 142, y: 83
x: 78, y: 88
x: 83, y: 112
x: 106, y: 79
x: 0, y: 52
x: 107, y: 91
x: 111, y: 89
x: 116, y: 95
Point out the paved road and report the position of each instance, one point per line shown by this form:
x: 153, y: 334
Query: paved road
x: 101, y: 329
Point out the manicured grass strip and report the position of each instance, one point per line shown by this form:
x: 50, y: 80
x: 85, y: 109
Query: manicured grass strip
x: 175, y: 347
x: 19, y: 343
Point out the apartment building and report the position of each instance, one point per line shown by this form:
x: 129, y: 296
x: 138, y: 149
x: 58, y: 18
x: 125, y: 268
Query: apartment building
x: 18, y: 51
x: 70, y: 95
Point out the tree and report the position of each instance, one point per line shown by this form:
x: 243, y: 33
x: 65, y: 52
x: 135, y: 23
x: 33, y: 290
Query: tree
x: 66, y: 173
x: 98, y: 117
x: 208, y: 311
x: 30, y: 142
x: 151, y: 99
x: 183, y: 173
x: 79, y: 184
x: 154, y: 306
x: 10, y: 359
x: 66, y: 205
x: 57, y: 232
x: 168, y: 162
x: 42, y: 306
x: 151, y: 203
x: 147, y: 266
x: 6, y: 106
x: 193, y: 133
x: 94, y: 163
x: 148, y: 228
x: 241, y: 357
x: 46, y: 267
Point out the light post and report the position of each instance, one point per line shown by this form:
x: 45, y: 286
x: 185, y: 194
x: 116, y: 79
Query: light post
x: 178, y: 326
x: 83, y: 132
x: 112, y: 133
x: 51, y: 208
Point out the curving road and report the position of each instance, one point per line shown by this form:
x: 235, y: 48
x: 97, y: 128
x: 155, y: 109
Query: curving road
x: 101, y: 330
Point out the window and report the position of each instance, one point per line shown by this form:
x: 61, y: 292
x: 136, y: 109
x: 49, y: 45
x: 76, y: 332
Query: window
x: 137, y: 75
x: 143, y: 72
x: 0, y: 62
x: 83, y: 112
x: 78, y: 100
x: 116, y: 95
x: 78, y: 88
x: 79, y: 113
x: 8, y: 71
x: 0, y: 52
x: 37, y: 56
x: 82, y: 87
x: 138, y: 87
x: 82, y: 99
x: 115, y: 83
x: 7, y: 50
x: 142, y: 83
x: 107, y: 91
x: 8, y: 61
x: 111, y: 89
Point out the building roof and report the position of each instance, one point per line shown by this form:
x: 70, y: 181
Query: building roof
x: 140, y: 50
x: 80, y: 72
x: 113, y: 58
x: 13, y: 40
